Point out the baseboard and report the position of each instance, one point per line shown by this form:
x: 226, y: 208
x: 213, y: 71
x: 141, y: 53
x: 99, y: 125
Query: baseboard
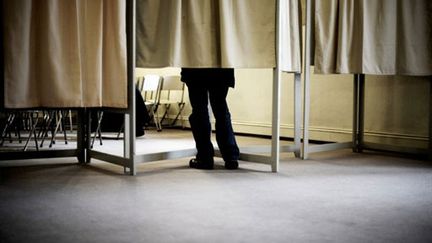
x: 326, y: 134
x: 329, y: 134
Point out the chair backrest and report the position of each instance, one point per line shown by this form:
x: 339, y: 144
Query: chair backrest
x: 151, y: 87
x: 171, y: 84
x: 151, y: 82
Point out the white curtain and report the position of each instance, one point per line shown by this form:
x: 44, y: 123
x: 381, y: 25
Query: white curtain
x: 65, y: 53
x: 216, y: 33
x: 391, y: 37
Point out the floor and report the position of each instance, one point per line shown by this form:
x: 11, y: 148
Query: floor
x: 336, y: 196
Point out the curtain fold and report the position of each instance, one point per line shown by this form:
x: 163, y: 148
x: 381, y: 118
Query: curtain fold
x: 389, y: 37
x: 247, y: 33
x: 175, y: 33
x: 216, y: 33
x: 291, y: 36
x: 65, y: 53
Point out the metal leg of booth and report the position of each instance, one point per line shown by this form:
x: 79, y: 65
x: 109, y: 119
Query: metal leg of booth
x: 306, y: 84
x: 430, y: 123
x: 297, y: 115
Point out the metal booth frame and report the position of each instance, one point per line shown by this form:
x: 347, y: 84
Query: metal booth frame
x: 130, y: 159
x: 357, y: 144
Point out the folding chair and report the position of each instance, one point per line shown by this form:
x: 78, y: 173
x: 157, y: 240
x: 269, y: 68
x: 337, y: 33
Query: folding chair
x: 151, y: 95
x: 98, y: 131
x: 11, y: 122
x: 53, y: 120
x: 173, y: 90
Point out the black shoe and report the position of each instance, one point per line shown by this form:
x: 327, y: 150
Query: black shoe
x: 198, y: 164
x: 231, y: 165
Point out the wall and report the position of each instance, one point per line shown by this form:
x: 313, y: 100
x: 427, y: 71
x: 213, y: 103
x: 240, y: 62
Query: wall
x: 396, y: 108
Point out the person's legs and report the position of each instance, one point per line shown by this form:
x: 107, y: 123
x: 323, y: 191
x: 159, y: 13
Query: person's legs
x: 200, y: 123
x: 224, y: 131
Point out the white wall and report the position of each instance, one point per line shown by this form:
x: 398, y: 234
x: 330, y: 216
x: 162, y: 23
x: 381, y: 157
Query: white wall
x: 396, y: 109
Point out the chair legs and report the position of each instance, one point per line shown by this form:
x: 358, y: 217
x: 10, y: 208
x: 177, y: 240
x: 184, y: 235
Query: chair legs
x: 16, y: 120
x: 50, y: 121
x: 61, y: 115
x: 6, y: 130
x: 120, y: 131
x: 181, y: 107
x: 98, y: 131
x: 156, y: 120
x: 152, y: 110
x: 47, y: 124
x: 167, y: 108
x: 32, y: 132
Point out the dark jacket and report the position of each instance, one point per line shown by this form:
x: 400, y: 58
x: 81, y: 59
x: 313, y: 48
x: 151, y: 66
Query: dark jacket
x: 208, y: 76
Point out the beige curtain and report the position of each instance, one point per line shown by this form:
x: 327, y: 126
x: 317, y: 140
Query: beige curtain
x: 391, y: 37
x: 65, y: 53
x: 215, y: 33
x: 291, y: 33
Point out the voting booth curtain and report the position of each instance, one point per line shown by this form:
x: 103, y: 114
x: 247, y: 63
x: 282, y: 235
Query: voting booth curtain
x: 391, y: 37
x: 72, y: 53
x: 217, y: 33
x: 65, y: 53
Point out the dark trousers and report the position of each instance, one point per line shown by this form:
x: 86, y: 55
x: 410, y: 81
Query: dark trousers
x: 200, y: 122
